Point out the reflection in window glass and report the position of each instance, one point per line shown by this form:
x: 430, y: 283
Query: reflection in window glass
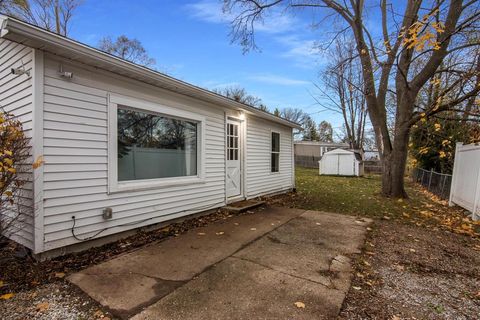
x: 152, y: 146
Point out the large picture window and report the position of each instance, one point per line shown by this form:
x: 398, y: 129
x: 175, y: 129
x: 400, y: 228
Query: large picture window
x: 152, y: 146
x: 275, y: 165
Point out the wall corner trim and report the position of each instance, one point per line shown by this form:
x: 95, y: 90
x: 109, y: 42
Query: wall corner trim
x: 37, y: 148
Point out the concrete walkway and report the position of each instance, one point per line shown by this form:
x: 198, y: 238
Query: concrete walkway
x: 250, y: 266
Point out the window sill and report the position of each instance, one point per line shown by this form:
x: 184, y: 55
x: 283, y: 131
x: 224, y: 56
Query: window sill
x: 141, y: 185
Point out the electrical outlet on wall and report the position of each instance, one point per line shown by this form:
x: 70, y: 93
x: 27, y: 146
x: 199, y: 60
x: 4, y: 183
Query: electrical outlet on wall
x: 107, y: 213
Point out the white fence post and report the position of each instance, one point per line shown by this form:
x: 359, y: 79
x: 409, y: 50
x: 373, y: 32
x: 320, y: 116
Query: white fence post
x: 454, y: 174
x: 475, y: 216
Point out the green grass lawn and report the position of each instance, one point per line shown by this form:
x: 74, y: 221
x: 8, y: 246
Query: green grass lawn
x: 354, y: 195
x: 360, y: 196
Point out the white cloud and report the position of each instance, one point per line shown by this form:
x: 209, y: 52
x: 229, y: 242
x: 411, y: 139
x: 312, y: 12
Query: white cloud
x: 278, y: 80
x: 211, y: 11
x: 304, y: 52
x: 208, y: 11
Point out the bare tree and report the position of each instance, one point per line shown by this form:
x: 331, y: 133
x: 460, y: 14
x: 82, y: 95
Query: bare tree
x: 129, y: 49
x: 325, y: 131
x: 297, y: 115
x: 239, y: 94
x: 52, y: 15
x: 342, y: 90
x: 416, y: 37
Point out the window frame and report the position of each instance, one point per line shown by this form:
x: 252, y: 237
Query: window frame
x: 275, y: 152
x: 114, y: 101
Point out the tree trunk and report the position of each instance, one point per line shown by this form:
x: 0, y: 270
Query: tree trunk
x: 394, y: 165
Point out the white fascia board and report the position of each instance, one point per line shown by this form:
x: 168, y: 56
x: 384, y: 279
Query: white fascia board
x: 11, y: 27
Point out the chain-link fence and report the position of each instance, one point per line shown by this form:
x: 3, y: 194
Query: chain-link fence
x: 436, y: 183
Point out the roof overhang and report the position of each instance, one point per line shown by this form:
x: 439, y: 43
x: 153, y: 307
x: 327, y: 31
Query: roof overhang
x: 38, y: 38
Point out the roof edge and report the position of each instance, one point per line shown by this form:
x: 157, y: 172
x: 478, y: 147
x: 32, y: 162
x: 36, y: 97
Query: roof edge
x: 10, y: 26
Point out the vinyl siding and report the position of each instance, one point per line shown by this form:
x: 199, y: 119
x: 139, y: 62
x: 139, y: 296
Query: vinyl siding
x: 16, y: 96
x: 259, y: 178
x: 76, y: 158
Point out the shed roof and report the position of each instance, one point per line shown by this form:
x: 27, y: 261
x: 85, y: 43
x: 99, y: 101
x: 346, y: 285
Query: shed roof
x: 38, y: 38
x: 323, y: 144
x: 356, y: 153
x: 339, y: 151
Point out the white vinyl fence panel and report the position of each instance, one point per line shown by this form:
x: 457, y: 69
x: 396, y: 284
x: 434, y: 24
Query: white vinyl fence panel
x: 465, y: 189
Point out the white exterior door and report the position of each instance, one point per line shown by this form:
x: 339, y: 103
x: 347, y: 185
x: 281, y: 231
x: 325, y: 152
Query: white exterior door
x: 234, y: 170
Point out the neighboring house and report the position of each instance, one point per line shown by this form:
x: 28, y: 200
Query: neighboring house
x: 371, y: 155
x: 308, y: 153
x: 342, y: 163
x: 121, y: 139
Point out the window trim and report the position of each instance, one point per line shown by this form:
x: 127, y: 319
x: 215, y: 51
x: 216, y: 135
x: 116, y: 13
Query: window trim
x: 114, y: 185
x: 276, y: 152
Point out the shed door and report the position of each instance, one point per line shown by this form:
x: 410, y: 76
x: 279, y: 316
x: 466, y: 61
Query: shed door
x: 234, y: 170
x: 345, y: 165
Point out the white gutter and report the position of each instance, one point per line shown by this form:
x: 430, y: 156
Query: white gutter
x: 11, y: 27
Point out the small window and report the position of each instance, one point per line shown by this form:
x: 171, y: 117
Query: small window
x: 232, y: 142
x: 275, y: 165
x: 152, y: 146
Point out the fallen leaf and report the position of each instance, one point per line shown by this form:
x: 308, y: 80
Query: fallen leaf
x: 59, y: 275
x: 356, y: 288
x: 201, y: 233
x: 41, y: 307
x: 98, y: 314
x: 366, y: 263
x: 299, y: 304
x: 6, y: 296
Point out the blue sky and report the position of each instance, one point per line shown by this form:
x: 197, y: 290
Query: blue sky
x: 190, y: 41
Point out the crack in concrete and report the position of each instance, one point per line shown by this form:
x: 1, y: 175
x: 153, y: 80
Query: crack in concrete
x: 130, y: 273
x: 285, y: 273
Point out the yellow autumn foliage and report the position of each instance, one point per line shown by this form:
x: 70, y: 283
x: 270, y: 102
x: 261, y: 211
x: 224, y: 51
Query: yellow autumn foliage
x: 423, y: 34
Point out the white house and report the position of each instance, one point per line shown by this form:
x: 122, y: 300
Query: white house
x: 121, y: 139
x: 341, y: 162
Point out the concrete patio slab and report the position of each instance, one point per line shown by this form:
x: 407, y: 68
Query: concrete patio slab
x: 132, y: 281
x: 309, y: 246
x: 251, y: 266
x: 304, y: 260
x: 239, y: 289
